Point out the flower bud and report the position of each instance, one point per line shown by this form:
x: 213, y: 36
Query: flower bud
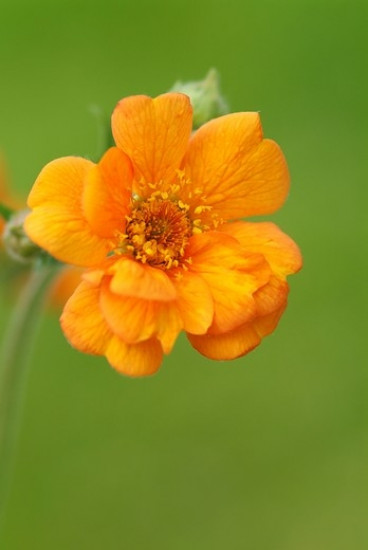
x: 205, y: 98
x: 17, y: 243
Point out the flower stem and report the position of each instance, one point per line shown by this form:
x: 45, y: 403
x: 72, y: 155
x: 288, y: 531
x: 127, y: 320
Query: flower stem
x: 14, y: 357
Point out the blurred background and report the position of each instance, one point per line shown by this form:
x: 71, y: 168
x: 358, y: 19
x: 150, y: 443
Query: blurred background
x: 267, y: 452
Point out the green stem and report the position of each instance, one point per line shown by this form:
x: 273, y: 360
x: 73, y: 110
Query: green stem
x: 104, y: 135
x: 14, y: 357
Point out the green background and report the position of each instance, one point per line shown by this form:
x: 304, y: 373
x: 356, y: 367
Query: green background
x: 267, y: 452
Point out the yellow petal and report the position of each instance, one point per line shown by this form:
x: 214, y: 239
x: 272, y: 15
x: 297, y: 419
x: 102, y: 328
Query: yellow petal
x: 154, y: 133
x: 241, y: 174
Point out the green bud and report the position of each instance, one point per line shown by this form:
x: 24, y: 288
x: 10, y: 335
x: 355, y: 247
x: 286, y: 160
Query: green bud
x: 205, y: 97
x: 17, y: 243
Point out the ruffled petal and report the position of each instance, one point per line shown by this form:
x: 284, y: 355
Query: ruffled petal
x: 240, y: 173
x: 154, y: 133
x: 57, y: 222
x: 134, y: 359
x: 232, y: 277
x: 135, y: 320
x: 237, y: 342
x: 83, y: 323
x: 271, y: 296
x: 266, y: 324
x: 107, y: 193
x: 194, y: 302
x: 280, y: 251
x: 132, y: 278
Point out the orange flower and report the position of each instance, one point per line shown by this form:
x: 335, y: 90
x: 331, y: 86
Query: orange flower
x: 150, y: 221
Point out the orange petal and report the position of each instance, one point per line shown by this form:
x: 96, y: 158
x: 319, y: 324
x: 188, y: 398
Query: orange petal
x: 57, y: 222
x: 135, y: 359
x: 232, y: 277
x: 194, y: 302
x: 154, y: 133
x: 241, y: 174
x: 280, y: 251
x: 135, y: 320
x: 94, y: 276
x: 132, y: 319
x: 61, y: 182
x: 83, y: 323
x: 68, y: 240
x: 266, y: 324
x: 107, y: 193
x: 132, y: 278
x: 271, y: 296
x: 238, y: 342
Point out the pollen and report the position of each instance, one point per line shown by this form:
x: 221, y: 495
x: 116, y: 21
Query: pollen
x: 158, y: 230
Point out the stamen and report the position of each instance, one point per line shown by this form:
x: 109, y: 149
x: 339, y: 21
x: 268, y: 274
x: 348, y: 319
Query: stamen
x: 158, y: 230
x: 159, y: 226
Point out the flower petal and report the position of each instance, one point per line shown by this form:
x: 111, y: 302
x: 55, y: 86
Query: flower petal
x: 266, y: 324
x: 107, y: 193
x: 82, y: 321
x: 271, y: 296
x: 57, y: 222
x: 231, y: 275
x: 237, y: 342
x: 69, y: 240
x: 194, y: 302
x: 132, y: 278
x: 135, y: 320
x: 154, y: 133
x: 280, y: 251
x: 61, y: 182
x: 134, y: 359
x: 241, y: 174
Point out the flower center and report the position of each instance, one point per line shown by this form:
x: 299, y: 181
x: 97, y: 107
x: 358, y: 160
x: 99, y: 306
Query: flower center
x: 158, y: 231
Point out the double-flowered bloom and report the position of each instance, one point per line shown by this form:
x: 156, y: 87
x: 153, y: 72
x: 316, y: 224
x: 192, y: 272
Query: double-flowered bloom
x: 151, y: 224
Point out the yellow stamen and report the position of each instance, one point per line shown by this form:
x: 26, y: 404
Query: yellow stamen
x: 158, y: 230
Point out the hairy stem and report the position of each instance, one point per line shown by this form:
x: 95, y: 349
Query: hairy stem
x: 14, y: 359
